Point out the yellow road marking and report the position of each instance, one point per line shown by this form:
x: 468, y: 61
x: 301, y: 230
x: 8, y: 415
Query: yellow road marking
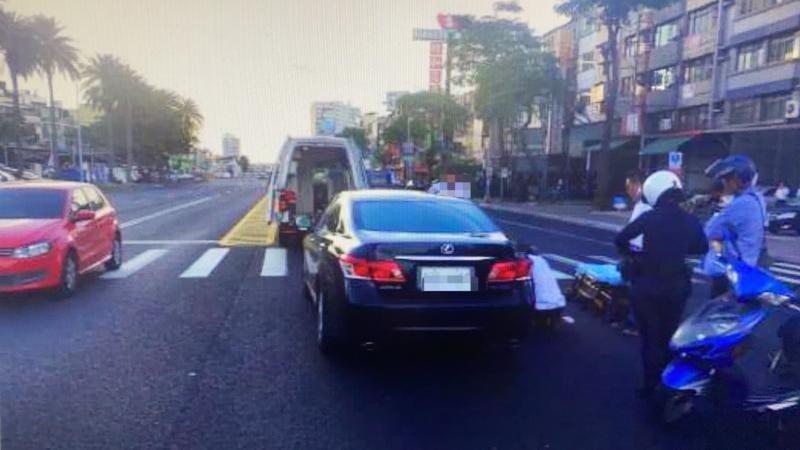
x: 252, y: 229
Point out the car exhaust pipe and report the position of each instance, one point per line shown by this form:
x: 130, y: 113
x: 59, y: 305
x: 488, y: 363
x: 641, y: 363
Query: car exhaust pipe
x: 369, y: 346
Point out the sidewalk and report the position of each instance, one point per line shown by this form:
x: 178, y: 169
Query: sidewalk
x: 784, y: 248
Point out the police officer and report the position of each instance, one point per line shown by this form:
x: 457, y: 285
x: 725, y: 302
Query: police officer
x: 740, y: 224
x: 661, y: 283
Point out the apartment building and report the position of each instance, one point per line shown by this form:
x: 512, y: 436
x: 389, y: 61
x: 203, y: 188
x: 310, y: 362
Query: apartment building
x: 704, y: 77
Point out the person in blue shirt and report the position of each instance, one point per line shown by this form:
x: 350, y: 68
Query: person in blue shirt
x: 740, y: 224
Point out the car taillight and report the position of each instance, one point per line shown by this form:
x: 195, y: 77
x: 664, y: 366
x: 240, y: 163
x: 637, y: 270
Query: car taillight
x: 380, y: 271
x: 286, y: 198
x: 518, y: 269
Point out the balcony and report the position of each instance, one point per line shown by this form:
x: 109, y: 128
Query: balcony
x: 777, y: 75
x: 662, y: 100
x: 694, y: 94
x: 666, y: 55
x: 691, y: 5
x: 758, y: 24
x: 698, y: 45
x: 672, y: 11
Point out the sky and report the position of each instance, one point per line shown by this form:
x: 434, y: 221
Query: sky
x: 255, y: 66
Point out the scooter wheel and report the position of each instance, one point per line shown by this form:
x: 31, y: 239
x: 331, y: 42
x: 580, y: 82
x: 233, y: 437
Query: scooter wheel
x: 677, y: 407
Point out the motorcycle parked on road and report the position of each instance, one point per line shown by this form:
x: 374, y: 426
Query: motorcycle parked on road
x: 733, y: 352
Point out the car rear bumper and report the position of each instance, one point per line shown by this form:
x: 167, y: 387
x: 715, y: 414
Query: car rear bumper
x: 18, y: 275
x: 380, y: 321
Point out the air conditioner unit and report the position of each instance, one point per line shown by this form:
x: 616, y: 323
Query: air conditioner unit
x: 665, y: 124
x: 792, y: 110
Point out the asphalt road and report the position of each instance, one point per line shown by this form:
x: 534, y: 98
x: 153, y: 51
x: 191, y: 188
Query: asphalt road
x: 224, y: 357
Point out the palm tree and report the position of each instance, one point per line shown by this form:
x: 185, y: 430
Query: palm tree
x: 19, y: 46
x: 112, y: 87
x: 101, y: 92
x: 56, y: 54
x: 191, y: 120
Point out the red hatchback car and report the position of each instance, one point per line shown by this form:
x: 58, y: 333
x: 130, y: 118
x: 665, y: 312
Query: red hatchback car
x: 51, y: 232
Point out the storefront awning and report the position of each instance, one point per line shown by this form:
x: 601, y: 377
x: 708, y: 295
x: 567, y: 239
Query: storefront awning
x: 613, y: 145
x: 664, y: 146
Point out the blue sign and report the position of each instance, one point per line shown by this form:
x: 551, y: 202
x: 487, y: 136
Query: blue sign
x: 675, y: 160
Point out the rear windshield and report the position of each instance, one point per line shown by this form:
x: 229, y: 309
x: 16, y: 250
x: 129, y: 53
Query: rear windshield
x: 31, y: 203
x: 421, y: 216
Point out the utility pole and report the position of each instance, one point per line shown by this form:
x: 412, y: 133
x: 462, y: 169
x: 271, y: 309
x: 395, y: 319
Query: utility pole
x: 448, y: 62
x: 78, y: 123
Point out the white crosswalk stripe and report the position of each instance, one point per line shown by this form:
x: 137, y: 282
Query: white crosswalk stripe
x: 134, y: 265
x: 206, y: 264
x: 275, y: 264
x: 786, y: 265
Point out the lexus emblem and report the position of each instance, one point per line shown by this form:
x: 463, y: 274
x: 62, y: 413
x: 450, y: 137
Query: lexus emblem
x: 448, y: 249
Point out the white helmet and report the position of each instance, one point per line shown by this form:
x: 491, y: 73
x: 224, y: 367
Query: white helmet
x: 658, y: 183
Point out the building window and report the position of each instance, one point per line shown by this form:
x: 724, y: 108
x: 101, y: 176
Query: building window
x: 693, y: 118
x: 665, y: 33
x: 748, y: 57
x: 701, y: 21
x: 773, y: 107
x: 697, y: 70
x: 782, y: 48
x: 743, y: 111
x: 749, y: 6
x: 662, y: 79
x: 659, y: 122
x: 626, y: 86
x: 629, y: 50
x: 587, y: 61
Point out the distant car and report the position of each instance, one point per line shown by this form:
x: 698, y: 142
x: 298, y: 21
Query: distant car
x: 51, y: 232
x: 383, y: 262
x: 785, y: 218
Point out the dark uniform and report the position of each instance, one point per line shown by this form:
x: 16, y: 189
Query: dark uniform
x: 661, y: 280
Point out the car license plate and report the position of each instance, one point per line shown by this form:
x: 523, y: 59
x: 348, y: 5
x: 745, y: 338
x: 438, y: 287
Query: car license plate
x: 446, y: 279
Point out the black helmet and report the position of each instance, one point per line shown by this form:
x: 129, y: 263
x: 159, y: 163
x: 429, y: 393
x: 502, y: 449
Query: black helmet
x: 740, y: 165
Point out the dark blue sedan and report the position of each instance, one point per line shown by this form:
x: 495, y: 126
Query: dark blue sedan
x: 380, y: 263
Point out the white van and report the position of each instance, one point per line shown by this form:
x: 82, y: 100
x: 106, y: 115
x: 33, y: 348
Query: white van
x: 310, y: 171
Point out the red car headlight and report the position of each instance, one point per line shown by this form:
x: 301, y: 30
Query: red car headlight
x: 33, y: 250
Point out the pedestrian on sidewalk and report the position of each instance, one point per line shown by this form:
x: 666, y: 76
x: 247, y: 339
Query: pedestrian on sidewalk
x: 739, y: 225
x: 661, y: 282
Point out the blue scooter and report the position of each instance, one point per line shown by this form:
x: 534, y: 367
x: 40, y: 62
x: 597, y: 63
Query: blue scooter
x: 729, y: 351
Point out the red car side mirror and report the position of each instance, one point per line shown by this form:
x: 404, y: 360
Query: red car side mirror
x: 83, y: 215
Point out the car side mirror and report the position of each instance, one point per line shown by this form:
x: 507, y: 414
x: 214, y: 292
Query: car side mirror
x: 83, y: 215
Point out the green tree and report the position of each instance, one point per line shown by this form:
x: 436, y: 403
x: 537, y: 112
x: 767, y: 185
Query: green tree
x: 114, y: 87
x: 56, y: 54
x: 510, y: 71
x: 244, y: 163
x: 20, y: 48
x: 358, y: 135
x: 191, y: 120
x: 426, y: 115
x: 613, y: 14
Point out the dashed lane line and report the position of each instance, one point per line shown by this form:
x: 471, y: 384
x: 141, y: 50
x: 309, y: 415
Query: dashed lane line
x: 163, y: 212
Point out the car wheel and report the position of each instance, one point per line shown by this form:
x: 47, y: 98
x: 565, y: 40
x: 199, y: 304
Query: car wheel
x: 69, y: 276
x: 116, y: 255
x: 329, y: 336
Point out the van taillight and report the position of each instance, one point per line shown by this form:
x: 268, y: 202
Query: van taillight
x: 286, y: 198
x: 516, y: 270
x: 380, y: 271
